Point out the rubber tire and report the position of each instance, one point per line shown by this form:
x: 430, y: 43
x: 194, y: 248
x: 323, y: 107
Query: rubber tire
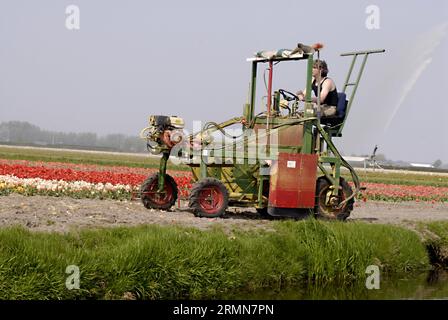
x: 154, y: 178
x: 322, y: 184
x: 195, y: 196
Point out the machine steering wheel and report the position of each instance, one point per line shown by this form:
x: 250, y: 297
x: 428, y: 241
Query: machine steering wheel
x: 288, y: 96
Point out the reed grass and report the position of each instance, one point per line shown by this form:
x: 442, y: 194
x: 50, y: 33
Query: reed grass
x: 170, y: 262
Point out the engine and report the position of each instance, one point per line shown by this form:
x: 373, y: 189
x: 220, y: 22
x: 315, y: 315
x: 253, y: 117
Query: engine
x: 163, y: 132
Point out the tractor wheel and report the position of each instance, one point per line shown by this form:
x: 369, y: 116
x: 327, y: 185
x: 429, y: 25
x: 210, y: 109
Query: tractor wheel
x: 153, y: 200
x: 328, y: 211
x: 209, y: 198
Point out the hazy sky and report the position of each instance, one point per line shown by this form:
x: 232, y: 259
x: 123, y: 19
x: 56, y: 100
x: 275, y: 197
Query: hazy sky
x: 131, y: 59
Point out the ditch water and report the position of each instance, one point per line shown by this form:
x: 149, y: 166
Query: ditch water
x: 432, y: 285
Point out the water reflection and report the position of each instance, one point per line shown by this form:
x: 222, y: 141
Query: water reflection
x: 423, y: 286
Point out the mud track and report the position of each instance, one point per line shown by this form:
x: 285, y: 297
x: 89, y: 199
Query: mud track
x: 41, y: 213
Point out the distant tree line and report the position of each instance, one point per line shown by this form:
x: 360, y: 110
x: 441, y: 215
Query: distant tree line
x: 20, y: 132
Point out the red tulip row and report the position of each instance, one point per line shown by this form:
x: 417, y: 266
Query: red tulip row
x: 115, y: 176
x: 392, y: 192
x: 67, y: 174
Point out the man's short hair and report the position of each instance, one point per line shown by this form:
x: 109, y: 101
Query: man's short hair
x: 322, y: 66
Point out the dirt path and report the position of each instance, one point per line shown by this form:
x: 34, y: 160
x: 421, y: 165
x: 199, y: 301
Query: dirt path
x: 399, y: 212
x: 64, y: 214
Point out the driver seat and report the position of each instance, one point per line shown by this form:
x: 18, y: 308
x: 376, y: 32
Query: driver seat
x: 336, y: 120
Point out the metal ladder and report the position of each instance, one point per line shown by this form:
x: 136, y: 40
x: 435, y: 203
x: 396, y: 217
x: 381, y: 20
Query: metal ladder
x: 355, y: 84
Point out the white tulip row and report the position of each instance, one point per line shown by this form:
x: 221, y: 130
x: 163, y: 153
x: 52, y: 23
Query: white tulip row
x: 10, y: 181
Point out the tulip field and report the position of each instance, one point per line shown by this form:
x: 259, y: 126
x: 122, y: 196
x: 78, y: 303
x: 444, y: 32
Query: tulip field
x: 79, y: 181
x: 98, y: 175
x: 393, y: 192
x: 84, y: 180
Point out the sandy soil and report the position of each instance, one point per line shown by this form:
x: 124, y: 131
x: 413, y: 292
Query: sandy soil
x: 63, y: 214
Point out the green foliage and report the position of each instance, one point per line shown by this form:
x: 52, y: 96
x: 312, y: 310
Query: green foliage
x: 96, y: 158
x: 436, y: 241
x: 405, y: 178
x: 154, y: 262
x: 438, y: 163
x: 20, y: 132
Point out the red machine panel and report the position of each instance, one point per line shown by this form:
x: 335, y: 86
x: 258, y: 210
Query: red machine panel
x: 293, y: 181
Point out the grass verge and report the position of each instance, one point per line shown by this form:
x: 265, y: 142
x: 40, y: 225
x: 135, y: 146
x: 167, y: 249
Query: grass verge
x: 436, y: 241
x: 404, y: 178
x: 155, y: 262
x: 80, y: 157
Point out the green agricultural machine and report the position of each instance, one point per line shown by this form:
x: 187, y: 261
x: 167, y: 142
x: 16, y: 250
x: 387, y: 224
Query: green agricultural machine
x: 282, y: 161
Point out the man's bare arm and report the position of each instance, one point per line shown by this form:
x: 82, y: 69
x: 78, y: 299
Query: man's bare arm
x: 326, y: 88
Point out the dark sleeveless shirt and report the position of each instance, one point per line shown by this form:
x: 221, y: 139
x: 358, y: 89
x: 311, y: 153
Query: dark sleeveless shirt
x: 332, y: 97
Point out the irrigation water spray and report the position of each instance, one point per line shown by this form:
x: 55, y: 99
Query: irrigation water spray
x: 418, y: 58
